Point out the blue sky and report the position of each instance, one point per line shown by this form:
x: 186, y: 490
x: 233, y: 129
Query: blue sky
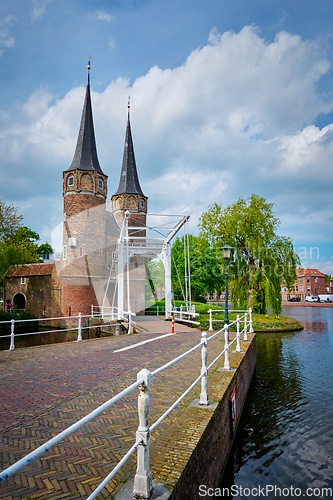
x: 228, y: 99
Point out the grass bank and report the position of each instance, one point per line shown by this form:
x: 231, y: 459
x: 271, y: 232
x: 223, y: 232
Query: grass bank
x: 261, y: 322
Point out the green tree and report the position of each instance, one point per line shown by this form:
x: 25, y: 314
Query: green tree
x: 18, y: 244
x: 205, y: 269
x: 156, y: 277
x: 262, y: 259
x: 9, y: 220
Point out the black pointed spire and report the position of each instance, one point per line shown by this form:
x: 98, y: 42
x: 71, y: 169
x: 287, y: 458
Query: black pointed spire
x: 129, y: 180
x: 85, y: 157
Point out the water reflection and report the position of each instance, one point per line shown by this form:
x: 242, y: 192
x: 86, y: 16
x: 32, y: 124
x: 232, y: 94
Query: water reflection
x: 285, y: 437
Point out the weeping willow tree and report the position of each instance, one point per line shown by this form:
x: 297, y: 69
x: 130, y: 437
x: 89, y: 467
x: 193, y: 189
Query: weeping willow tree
x: 262, y: 259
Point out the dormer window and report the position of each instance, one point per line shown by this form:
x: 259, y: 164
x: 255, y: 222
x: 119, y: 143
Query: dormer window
x: 71, y: 180
x: 100, y: 183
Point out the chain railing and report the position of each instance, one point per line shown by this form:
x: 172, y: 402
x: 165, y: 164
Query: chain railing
x: 143, y: 485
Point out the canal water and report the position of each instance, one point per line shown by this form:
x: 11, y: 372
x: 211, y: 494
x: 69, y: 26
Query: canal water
x: 284, y: 442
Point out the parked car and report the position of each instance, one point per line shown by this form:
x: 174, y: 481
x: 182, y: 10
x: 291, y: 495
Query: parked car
x: 310, y: 298
x: 326, y: 297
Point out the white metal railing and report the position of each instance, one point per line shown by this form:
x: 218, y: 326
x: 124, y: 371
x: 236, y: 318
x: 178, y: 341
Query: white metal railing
x: 248, y: 313
x: 112, y: 313
x: 79, y: 328
x: 179, y: 313
x: 143, y: 485
x: 101, y: 311
x: 160, y: 310
x: 13, y: 322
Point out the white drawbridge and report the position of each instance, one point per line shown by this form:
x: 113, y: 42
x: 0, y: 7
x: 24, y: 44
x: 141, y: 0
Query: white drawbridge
x: 159, y: 232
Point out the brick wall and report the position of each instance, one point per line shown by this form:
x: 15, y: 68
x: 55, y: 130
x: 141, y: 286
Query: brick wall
x: 77, y: 297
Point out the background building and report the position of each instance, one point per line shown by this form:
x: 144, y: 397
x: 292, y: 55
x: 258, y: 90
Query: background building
x: 309, y: 282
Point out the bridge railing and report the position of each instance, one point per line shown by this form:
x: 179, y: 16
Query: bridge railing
x: 247, y: 316
x: 178, y: 313
x: 157, y: 310
x: 143, y: 480
x: 127, y: 317
x: 112, y: 313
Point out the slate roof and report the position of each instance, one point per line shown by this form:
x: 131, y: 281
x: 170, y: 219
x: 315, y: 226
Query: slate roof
x: 129, y: 180
x: 31, y: 270
x: 85, y: 156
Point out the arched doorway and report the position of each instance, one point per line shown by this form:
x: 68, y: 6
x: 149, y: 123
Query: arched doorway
x: 19, y: 301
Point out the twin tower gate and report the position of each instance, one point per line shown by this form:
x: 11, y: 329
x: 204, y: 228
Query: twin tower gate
x: 129, y: 246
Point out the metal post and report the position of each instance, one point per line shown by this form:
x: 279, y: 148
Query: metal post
x: 143, y: 484
x: 203, y: 396
x: 79, y: 336
x: 12, y: 345
x: 210, y: 320
x: 238, y: 335
x: 129, y: 322
x: 181, y: 312
x: 226, y: 314
x: 157, y: 310
x: 245, y: 326
x: 92, y: 311
x: 173, y: 325
x: 226, y: 345
x: 251, y: 324
x: 120, y: 280
x: 166, y: 253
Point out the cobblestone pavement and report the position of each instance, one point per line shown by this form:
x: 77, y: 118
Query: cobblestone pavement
x: 48, y: 388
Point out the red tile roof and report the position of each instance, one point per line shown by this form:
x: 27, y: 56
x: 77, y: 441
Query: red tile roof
x: 312, y: 272
x: 31, y: 270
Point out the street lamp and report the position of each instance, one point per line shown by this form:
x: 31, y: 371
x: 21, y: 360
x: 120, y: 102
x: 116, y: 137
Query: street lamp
x: 226, y: 254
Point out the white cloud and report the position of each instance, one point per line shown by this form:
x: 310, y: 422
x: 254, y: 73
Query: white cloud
x: 111, y: 44
x: 235, y: 118
x: 7, y: 41
x: 39, y: 9
x: 103, y: 16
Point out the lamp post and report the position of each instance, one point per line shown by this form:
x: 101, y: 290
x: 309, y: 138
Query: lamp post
x: 226, y: 254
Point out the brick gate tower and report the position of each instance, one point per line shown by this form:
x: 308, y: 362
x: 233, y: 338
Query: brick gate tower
x: 129, y: 197
x: 85, y: 193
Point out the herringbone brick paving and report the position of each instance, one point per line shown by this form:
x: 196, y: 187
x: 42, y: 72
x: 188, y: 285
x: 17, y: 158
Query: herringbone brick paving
x: 46, y: 389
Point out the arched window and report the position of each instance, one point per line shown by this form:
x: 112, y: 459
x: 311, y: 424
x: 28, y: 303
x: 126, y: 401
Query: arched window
x: 142, y: 203
x: 71, y: 180
x: 100, y: 183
